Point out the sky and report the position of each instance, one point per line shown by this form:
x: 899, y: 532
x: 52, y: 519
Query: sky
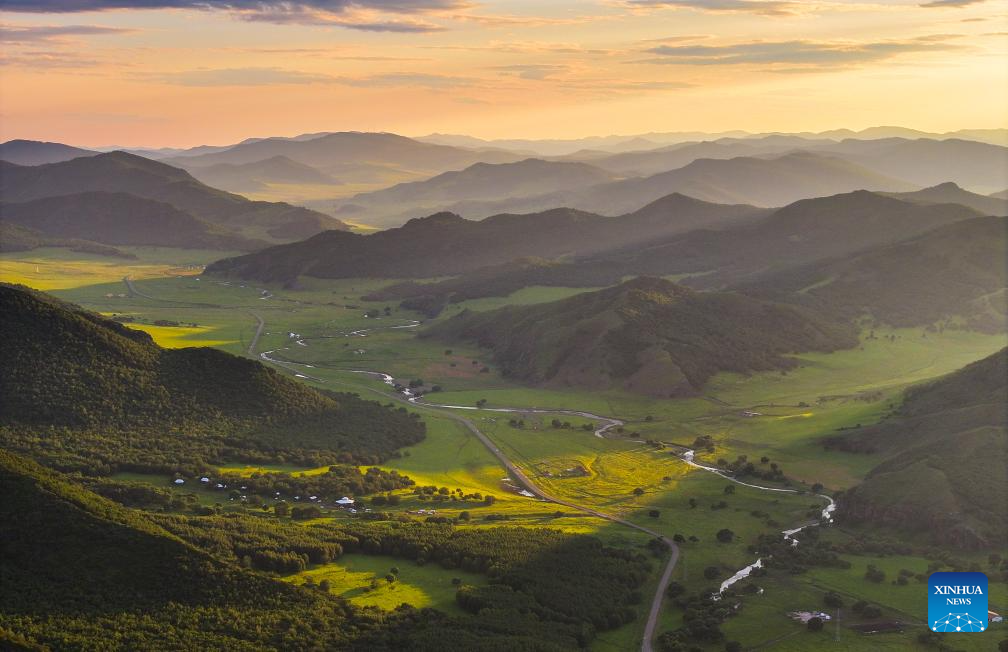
x: 189, y: 72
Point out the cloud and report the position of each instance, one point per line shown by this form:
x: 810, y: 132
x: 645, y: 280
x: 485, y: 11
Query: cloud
x: 364, y: 15
x: 279, y: 76
x: 47, y: 60
x: 241, y: 77
x: 22, y: 34
x: 335, y: 6
x: 938, y: 4
x: 532, y: 70
x: 414, y: 79
x: 760, y: 7
x: 802, y: 53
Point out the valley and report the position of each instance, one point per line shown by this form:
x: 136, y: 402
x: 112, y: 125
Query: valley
x: 632, y: 472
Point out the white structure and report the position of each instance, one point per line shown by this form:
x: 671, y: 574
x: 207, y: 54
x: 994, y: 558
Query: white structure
x: 204, y: 479
x: 179, y: 481
x: 345, y: 501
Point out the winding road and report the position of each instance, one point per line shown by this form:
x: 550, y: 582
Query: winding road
x: 605, y: 424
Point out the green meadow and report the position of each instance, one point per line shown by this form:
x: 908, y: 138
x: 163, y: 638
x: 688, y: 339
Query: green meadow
x: 361, y: 579
x: 621, y: 474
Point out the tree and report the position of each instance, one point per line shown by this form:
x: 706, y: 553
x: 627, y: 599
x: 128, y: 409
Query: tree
x: 639, y: 491
x: 729, y: 490
x: 678, y: 538
x: 675, y: 589
x: 873, y: 574
x: 325, y: 585
x: 817, y: 488
x: 725, y: 535
x: 832, y: 599
x: 692, y: 503
x: 281, y: 509
x: 815, y: 624
x: 654, y: 513
x: 711, y: 572
x: 464, y: 516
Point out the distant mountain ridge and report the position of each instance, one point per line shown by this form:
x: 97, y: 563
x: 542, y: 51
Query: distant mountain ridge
x: 444, y: 243
x: 121, y: 219
x: 34, y: 152
x: 954, y: 272
x: 118, y: 172
x: 256, y: 176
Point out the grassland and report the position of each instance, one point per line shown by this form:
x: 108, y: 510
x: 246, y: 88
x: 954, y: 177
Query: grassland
x: 361, y: 579
x: 826, y: 392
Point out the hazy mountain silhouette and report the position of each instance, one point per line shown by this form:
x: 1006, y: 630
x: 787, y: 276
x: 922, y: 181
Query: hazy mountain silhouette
x: 119, y: 172
x: 34, y: 152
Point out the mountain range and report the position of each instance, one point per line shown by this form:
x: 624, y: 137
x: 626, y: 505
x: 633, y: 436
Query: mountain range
x: 119, y: 172
x: 445, y: 244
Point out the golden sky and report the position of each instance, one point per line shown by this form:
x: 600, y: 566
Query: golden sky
x: 188, y: 72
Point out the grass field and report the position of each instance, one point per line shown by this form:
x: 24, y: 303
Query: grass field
x: 361, y: 580
x: 799, y: 408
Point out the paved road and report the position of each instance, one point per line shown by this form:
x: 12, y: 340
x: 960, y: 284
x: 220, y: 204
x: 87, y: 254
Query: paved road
x: 259, y: 330
x: 517, y: 474
x: 526, y: 483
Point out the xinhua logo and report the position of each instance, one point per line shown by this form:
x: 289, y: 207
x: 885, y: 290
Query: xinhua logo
x: 957, y: 602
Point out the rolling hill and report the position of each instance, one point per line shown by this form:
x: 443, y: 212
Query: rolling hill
x: 255, y: 176
x: 927, y: 162
x: 334, y: 152
x: 742, y: 180
x: 647, y: 335
x: 34, y: 152
x: 446, y: 244
x: 945, y: 473
x: 118, y: 172
x: 478, y: 182
x: 120, y: 219
x: 955, y: 272
x: 108, y: 398
x: 950, y: 193
x: 797, y: 234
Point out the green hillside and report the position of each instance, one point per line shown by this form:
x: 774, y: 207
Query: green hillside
x: 953, y: 272
x: 85, y: 393
x: 946, y: 472
x: 647, y: 335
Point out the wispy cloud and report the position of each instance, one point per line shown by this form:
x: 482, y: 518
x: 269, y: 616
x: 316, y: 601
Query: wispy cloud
x: 22, y: 34
x: 938, y: 4
x: 239, y: 77
x: 366, y: 15
x: 279, y: 76
x: 760, y: 7
x: 532, y: 70
x: 803, y: 53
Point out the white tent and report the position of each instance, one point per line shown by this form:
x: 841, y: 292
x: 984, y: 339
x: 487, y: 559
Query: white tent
x: 345, y: 501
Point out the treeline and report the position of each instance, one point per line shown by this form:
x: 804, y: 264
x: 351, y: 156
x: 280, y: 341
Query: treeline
x: 81, y: 572
x: 572, y: 579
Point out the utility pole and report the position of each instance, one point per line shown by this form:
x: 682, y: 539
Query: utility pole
x: 837, y: 636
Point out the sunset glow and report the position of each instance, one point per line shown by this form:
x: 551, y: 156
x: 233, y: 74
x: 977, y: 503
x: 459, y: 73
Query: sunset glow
x: 99, y: 73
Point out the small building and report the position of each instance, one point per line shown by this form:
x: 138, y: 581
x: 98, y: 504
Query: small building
x: 179, y: 481
x: 345, y: 501
x: 204, y: 479
x: 994, y: 617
